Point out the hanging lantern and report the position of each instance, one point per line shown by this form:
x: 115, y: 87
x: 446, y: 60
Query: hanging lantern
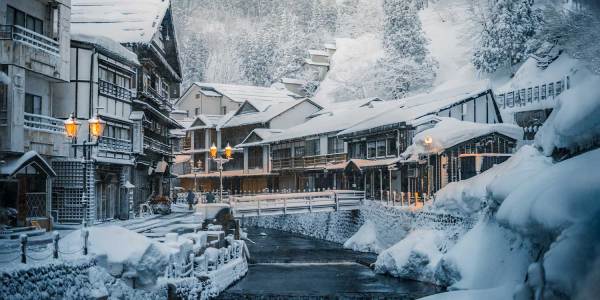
x: 213, y: 151
x: 96, y: 126
x: 228, y: 151
x: 428, y: 140
x: 71, y: 126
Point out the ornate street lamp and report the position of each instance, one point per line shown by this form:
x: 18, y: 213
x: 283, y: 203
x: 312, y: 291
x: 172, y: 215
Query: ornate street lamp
x: 220, y: 161
x: 96, y: 127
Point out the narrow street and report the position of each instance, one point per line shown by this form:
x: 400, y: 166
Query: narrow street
x: 288, y: 265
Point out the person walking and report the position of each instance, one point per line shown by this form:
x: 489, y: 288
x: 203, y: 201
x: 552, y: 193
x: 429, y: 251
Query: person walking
x: 191, y: 197
x: 210, y: 197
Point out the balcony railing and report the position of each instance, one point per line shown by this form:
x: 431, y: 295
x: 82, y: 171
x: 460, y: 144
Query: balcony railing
x: 30, y: 38
x: 113, y: 90
x: 114, y: 145
x: 156, y: 146
x: 308, y: 162
x: 533, y: 94
x: 43, y: 123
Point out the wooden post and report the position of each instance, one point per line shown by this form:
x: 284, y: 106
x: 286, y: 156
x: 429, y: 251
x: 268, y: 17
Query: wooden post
x: 55, y: 237
x: 23, y: 239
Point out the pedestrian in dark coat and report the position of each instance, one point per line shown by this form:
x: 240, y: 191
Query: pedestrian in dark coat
x: 191, y: 197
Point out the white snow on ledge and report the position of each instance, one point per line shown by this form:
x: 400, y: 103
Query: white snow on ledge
x: 4, y: 78
x: 107, y: 44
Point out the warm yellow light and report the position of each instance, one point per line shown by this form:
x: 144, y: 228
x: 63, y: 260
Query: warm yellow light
x: 228, y: 152
x: 428, y: 140
x: 96, y: 126
x: 213, y: 151
x: 71, y: 126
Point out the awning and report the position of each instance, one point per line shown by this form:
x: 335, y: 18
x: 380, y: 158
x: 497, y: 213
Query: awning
x: 12, y: 166
x: 113, y: 161
x: 360, y: 164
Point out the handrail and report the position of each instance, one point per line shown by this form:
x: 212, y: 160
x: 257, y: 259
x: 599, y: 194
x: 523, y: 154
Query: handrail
x: 114, y: 144
x: 43, y: 123
x: 111, y: 89
x: 156, y: 145
x: 307, y: 161
x: 31, y: 38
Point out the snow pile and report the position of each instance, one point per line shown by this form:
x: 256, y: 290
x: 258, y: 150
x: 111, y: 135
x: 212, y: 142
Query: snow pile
x: 122, y: 251
x: 352, y: 60
x: 365, y: 239
x: 469, y: 196
x: 449, y: 132
x: 107, y: 44
x: 414, y: 257
x: 574, y: 123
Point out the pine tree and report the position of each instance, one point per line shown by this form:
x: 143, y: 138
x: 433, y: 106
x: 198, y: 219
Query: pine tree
x: 506, y: 35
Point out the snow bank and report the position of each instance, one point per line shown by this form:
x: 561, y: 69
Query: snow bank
x: 120, y: 250
x: 365, y: 239
x: 414, y: 257
x: 449, y: 132
x: 498, y: 293
x: 574, y: 123
x: 466, y: 197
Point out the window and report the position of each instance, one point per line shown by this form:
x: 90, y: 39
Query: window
x: 558, y: 87
x: 391, y: 147
x: 550, y: 90
x: 33, y: 104
x: 223, y: 110
x: 3, y: 102
x: 536, y: 94
x: 529, y: 95
x: 197, y: 111
x: 298, y: 151
x: 312, y: 147
x: 335, y: 145
x: 543, y: 92
x: 465, y: 110
x: 371, y: 149
x: 357, y: 150
x: 381, y: 148
x: 501, y: 100
x: 17, y: 17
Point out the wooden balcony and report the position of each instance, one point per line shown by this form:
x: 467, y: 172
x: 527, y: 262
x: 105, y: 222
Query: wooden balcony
x: 308, y: 162
x: 115, y: 91
x: 43, y: 123
x: 157, y: 146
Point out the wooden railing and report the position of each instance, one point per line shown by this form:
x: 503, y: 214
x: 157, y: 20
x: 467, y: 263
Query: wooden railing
x: 307, y: 162
x: 533, y: 94
x: 156, y: 146
x: 113, y: 90
x: 30, y: 38
x: 43, y: 123
x: 115, y: 145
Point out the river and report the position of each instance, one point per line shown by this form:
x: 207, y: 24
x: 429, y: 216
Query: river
x: 285, y: 265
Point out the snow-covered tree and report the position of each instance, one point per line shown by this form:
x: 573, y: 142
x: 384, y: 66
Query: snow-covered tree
x: 507, y: 35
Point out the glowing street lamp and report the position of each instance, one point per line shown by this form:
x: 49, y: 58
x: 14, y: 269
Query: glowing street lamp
x: 71, y: 127
x: 96, y: 126
x: 214, y: 155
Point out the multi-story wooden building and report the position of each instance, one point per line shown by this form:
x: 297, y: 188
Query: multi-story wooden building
x: 146, y: 29
x: 102, y: 83
x: 34, y: 54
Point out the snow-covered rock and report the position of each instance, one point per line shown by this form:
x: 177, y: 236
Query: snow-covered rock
x: 365, y: 239
x: 414, y: 257
x: 120, y: 250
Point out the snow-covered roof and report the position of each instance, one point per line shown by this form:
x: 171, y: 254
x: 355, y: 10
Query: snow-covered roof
x: 208, y: 121
x: 266, y: 112
x: 335, y: 120
x: 136, y: 115
x: 4, y: 78
x: 242, y: 93
x: 262, y: 133
x: 314, y: 63
x: 450, y: 132
x: 12, y: 166
x: 107, y: 44
x: 529, y: 74
x: 131, y: 21
x: 420, y: 105
x: 210, y: 93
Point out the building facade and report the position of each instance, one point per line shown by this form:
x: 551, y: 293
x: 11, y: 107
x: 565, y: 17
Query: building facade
x: 34, y: 54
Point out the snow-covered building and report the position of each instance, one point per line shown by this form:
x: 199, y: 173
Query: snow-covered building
x: 203, y: 98
x: 102, y: 82
x: 254, y: 118
x: 375, y: 144
x: 454, y: 150
x: 144, y: 27
x: 310, y: 155
x: 34, y: 54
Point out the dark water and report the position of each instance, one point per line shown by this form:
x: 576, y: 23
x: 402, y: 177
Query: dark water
x: 284, y: 265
